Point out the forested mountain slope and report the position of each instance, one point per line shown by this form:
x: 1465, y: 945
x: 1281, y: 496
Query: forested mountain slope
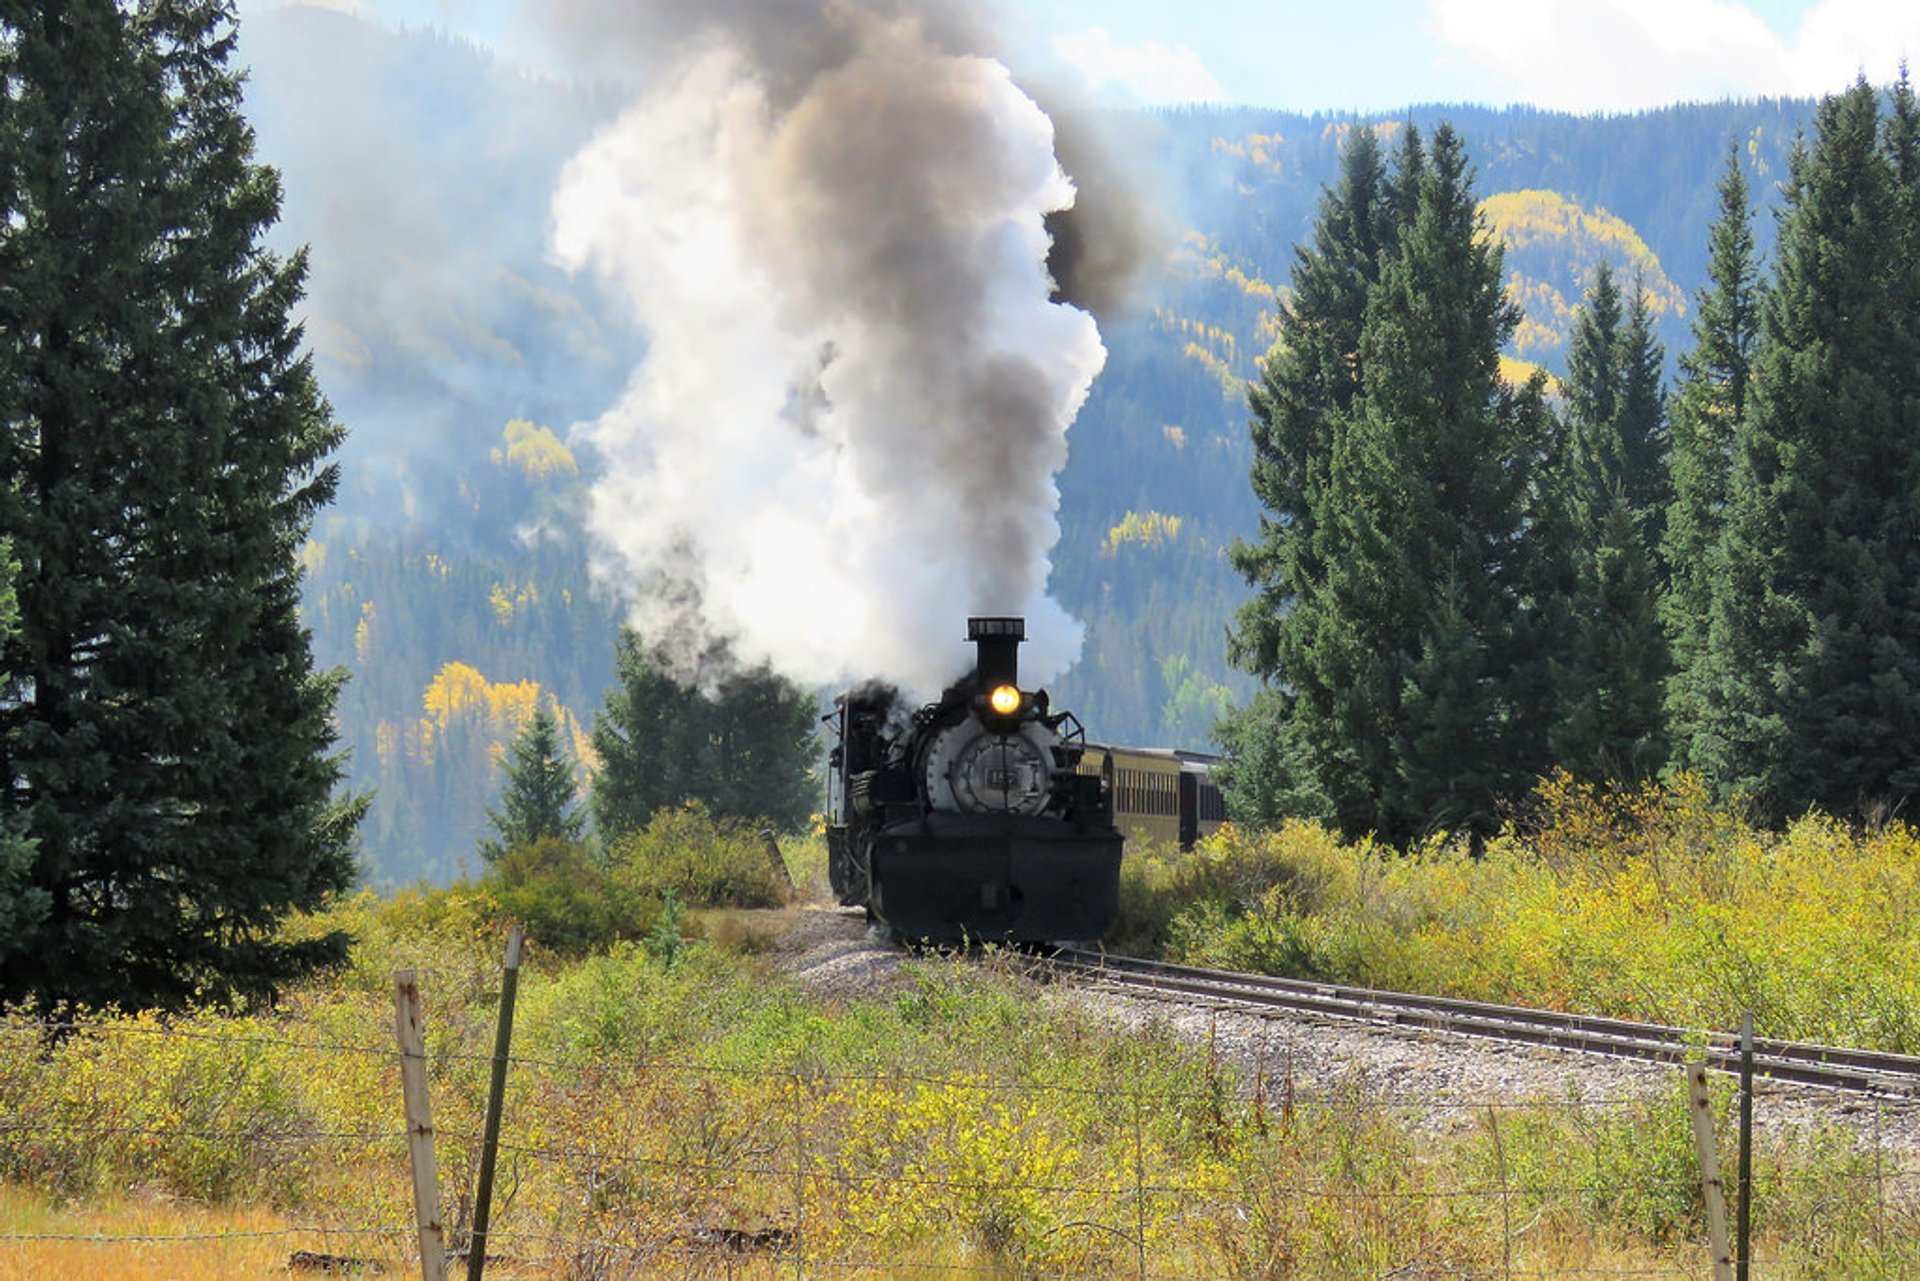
x: 1165, y: 429
x: 452, y: 579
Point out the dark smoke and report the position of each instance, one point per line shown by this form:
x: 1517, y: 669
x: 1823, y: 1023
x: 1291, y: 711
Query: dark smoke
x: 1110, y: 235
x: 831, y: 222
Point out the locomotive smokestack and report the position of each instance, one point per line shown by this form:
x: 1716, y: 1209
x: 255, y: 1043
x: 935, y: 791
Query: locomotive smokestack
x: 997, y: 641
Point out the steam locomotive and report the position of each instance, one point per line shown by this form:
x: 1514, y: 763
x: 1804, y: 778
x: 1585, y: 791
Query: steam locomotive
x: 970, y: 819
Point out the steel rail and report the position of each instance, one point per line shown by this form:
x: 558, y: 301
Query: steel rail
x: 1833, y: 1067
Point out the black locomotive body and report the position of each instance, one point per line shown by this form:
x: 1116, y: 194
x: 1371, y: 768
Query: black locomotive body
x: 969, y: 820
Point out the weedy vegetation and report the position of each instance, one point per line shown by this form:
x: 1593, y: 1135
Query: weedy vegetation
x: 676, y: 1106
x: 1648, y: 903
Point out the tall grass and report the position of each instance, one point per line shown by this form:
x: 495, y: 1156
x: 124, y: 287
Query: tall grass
x: 670, y: 1090
x: 1650, y: 903
x: 660, y: 1100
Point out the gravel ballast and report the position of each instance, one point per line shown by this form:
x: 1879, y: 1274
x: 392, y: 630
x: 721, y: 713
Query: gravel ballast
x: 1443, y: 1080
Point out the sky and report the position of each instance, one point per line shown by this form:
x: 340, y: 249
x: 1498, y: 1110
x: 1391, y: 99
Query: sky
x: 1378, y: 55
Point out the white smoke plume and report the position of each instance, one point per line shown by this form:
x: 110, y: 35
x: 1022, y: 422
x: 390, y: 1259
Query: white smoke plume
x: 832, y: 225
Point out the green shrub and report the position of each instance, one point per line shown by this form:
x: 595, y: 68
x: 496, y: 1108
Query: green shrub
x: 566, y: 900
x: 1645, y: 902
x: 705, y: 861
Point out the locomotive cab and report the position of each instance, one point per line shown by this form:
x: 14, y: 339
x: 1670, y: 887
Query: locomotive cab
x: 972, y: 821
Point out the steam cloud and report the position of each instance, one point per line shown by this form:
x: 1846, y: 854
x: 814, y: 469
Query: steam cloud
x: 833, y: 225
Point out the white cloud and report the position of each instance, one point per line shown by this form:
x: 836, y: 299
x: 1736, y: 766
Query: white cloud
x: 1840, y: 39
x: 1623, y: 55
x: 1150, y: 72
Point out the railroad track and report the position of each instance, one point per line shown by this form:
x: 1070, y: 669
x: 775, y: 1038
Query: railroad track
x: 1834, y: 1067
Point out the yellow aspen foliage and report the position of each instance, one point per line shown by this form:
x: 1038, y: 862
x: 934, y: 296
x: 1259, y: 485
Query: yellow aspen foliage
x: 460, y: 698
x: 1197, y: 331
x: 363, y: 631
x: 1230, y: 386
x: 510, y: 599
x: 1142, y: 529
x: 1202, y: 259
x: 1176, y: 436
x: 313, y: 557
x: 535, y: 451
x: 1518, y: 373
x: 1262, y: 150
x: 1385, y: 130
x: 1567, y: 241
x: 1268, y: 331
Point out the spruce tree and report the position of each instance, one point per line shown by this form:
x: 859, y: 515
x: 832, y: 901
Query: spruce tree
x: 21, y: 903
x: 1396, y: 684
x: 537, y: 799
x: 1812, y: 689
x: 1641, y: 423
x: 1593, y: 383
x: 744, y: 749
x: 1312, y: 373
x: 1431, y: 485
x: 758, y: 748
x: 1611, y: 667
x: 1709, y: 409
x: 1307, y: 382
x: 1611, y: 677
x: 164, y: 737
x: 641, y: 736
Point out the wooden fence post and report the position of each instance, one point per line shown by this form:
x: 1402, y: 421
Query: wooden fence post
x: 775, y: 862
x: 496, y: 1103
x: 1700, y: 1105
x: 1506, y: 1197
x: 410, y: 1027
x: 1743, y: 1206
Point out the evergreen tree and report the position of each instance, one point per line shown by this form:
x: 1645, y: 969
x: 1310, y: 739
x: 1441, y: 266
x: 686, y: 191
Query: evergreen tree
x: 640, y: 736
x: 745, y: 749
x: 1812, y: 683
x: 1431, y: 483
x: 1399, y: 658
x: 1610, y: 724
x: 164, y: 736
x: 536, y: 801
x: 1312, y: 373
x: 1593, y: 383
x: 1615, y: 404
x: 21, y: 903
x: 1306, y: 383
x: 1641, y: 423
x: 1611, y: 669
x: 1708, y: 411
x: 757, y: 748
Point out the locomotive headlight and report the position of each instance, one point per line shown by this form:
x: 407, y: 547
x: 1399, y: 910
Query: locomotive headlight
x: 1005, y: 700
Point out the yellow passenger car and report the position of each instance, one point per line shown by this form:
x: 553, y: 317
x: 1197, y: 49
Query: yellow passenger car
x: 1161, y: 796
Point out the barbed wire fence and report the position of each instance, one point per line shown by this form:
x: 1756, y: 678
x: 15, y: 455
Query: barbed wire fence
x: 658, y: 1166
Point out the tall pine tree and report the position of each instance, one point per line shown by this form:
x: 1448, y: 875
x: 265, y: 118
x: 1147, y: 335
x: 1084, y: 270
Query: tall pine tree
x: 164, y: 736
x: 1394, y: 682
x: 1431, y: 483
x: 1307, y: 381
x: 1611, y: 668
x: 744, y: 749
x: 537, y: 798
x: 1811, y: 690
x: 21, y: 903
x: 1708, y: 412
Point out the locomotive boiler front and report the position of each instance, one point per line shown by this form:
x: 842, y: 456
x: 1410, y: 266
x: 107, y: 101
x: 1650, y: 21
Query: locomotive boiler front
x: 1001, y: 755
x: 972, y: 822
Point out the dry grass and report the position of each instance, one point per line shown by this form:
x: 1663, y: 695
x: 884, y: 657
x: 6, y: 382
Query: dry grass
x: 233, y: 1254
